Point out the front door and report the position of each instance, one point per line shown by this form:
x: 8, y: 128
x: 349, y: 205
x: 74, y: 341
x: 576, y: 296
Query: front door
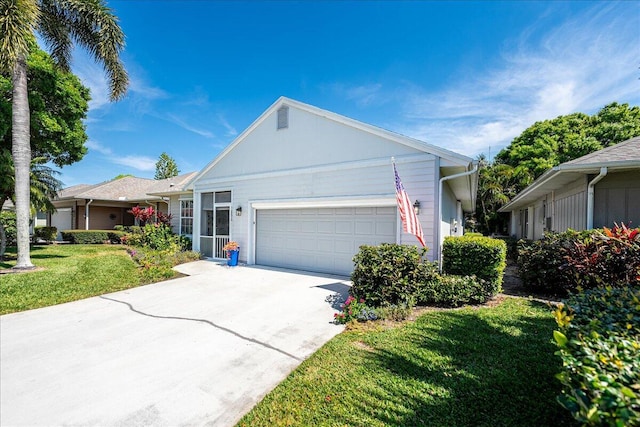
x: 222, y: 230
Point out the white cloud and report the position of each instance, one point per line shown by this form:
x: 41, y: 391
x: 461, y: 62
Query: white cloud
x: 96, y: 146
x: 141, y: 163
x: 231, y: 131
x: 183, y: 124
x: 581, y: 65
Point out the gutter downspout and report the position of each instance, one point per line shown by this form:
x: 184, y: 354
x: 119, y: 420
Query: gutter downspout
x: 86, y: 213
x: 590, y: 196
x: 438, y: 229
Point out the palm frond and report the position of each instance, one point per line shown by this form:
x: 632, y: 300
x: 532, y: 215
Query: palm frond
x: 18, y: 20
x: 92, y: 25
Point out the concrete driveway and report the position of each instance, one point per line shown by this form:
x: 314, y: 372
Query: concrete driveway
x: 198, y: 350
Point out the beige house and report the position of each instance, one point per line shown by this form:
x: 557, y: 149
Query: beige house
x: 596, y: 190
x: 105, y: 205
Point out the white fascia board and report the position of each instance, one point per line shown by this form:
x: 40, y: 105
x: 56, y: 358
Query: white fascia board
x: 325, y: 202
x: 381, y: 161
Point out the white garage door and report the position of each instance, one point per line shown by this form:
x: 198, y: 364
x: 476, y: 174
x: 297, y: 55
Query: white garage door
x: 62, y: 219
x: 323, y: 240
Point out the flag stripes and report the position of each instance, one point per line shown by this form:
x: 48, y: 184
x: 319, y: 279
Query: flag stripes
x: 410, y: 221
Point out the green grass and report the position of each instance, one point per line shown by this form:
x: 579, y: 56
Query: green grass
x: 71, y: 272
x: 492, y: 366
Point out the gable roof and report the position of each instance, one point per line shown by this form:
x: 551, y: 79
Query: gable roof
x: 127, y: 189
x: 622, y: 156
x: 454, y: 158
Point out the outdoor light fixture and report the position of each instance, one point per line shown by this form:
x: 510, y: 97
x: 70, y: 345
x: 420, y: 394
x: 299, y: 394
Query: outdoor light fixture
x: 239, y: 211
x: 416, y: 207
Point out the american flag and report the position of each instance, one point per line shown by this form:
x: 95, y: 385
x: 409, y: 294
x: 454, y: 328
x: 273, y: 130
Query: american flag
x: 410, y: 222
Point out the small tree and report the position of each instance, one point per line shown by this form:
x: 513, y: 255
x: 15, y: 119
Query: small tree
x: 166, y: 167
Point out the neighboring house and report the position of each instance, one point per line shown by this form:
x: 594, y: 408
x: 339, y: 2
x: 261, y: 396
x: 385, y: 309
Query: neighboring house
x: 303, y: 188
x: 39, y: 220
x: 596, y: 190
x: 102, y: 206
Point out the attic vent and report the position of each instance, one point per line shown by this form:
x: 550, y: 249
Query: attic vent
x: 283, y: 117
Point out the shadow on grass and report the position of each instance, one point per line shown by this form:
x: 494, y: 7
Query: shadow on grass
x: 494, y: 372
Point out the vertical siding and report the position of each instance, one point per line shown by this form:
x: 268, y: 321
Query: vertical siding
x: 617, y: 200
x: 571, y: 207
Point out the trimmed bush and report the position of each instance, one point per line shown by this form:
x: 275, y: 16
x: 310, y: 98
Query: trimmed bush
x: 599, y: 343
x: 387, y: 274
x: 455, y: 291
x: 87, y: 237
x: 478, y: 256
x: 47, y: 234
x: 8, y: 221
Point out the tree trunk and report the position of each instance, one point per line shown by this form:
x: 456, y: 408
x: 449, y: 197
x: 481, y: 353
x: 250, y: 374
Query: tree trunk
x: 3, y: 241
x: 21, y: 151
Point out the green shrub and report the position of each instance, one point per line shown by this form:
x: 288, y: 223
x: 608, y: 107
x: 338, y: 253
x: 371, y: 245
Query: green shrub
x: 354, y: 310
x: 47, y: 234
x: 605, y: 257
x: 116, y: 236
x: 599, y: 343
x: 455, y: 291
x: 86, y: 237
x: 158, y: 265
x: 478, y: 256
x: 8, y: 221
x: 387, y: 274
x: 561, y: 262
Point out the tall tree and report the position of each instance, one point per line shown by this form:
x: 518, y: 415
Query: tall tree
x: 89, y: 23
x: 166, y: 167
x: 43, y: 188
x: 542, y: 146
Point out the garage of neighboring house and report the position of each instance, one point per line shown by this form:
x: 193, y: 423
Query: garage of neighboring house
x: 321, y: 239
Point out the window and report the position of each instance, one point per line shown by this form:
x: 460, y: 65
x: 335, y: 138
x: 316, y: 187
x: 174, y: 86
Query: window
x: 186, y: 217
x: 283, y: 117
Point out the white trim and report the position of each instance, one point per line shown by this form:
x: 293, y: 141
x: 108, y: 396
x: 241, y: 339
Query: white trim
x: 325, y: 202
x: 321, y: 202
x: 332, y: 167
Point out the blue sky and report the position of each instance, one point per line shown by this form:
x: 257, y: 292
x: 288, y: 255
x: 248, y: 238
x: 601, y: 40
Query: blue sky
x: 467, y: 76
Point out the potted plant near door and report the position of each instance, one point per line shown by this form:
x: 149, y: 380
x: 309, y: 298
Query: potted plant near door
x: 233, y: 249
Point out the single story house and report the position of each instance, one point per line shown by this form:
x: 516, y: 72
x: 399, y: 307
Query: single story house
x: 102, y: 206
x: 596, y: 190
x: 303, y: 188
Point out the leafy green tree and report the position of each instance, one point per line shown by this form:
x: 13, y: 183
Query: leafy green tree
x: 89, y: 23
x: 542, y: 146
x: 44, y: 187
x: 166, y: 167
x: 120, y: 176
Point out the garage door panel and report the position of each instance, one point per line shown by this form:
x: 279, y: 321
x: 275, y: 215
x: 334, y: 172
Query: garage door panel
x: 323, y: 240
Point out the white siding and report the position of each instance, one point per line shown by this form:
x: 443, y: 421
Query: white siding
x: 310, y: 140
x: 356, y: 181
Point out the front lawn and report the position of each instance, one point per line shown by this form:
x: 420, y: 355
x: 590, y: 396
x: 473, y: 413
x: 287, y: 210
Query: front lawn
x: 70, y: 272
x: 489, y: 366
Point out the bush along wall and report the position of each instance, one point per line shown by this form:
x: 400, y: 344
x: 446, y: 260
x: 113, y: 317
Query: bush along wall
x: 599, y: 343
x: 559, y: 263
x: 86, y: 237
x: 482, y: 257
x: 47, y: 234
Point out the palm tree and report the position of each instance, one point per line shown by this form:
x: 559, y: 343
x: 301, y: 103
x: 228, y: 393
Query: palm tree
x: 44, y: 187
x: 89, y: 23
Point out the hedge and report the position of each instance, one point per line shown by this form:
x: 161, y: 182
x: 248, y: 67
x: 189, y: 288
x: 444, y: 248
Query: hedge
x: 562, y: 262
x: 478, y: 256
x: 599, y: 343
x: 85, y: 237
x: 48, y: 234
